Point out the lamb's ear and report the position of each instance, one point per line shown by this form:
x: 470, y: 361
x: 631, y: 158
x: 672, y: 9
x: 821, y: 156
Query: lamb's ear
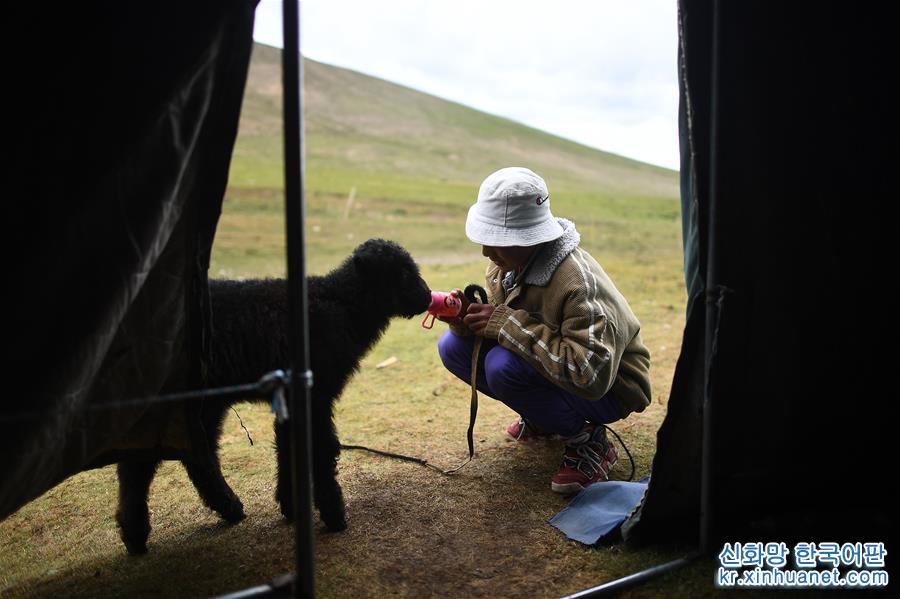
x: 375, y: 258
x: 365, y: 262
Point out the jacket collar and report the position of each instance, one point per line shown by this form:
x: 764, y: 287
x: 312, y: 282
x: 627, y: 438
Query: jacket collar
x: 552, y: 254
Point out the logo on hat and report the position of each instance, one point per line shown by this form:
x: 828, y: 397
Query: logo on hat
x: 541, y: 200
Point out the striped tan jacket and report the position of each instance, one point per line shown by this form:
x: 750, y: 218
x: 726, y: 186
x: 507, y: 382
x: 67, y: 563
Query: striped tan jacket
x: 566, y: 317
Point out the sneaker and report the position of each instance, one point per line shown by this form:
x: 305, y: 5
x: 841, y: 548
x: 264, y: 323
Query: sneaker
x: 523, y: 431
x: 588, y: 458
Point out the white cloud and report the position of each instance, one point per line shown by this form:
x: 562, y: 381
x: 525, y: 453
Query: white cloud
x: 601, y: 73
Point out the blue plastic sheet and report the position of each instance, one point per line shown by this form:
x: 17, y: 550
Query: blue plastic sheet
x: 598, y: 510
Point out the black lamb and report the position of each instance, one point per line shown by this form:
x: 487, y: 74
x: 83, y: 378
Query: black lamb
x: 349, y: 309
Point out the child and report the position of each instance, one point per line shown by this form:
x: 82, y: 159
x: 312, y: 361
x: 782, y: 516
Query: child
x: 561, y: 345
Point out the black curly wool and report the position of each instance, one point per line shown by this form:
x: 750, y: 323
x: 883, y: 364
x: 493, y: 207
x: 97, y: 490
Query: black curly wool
x: 349, y: 310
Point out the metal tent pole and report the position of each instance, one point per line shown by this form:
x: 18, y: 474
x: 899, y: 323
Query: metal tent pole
x: 301, y: 381
x: 618, y: 585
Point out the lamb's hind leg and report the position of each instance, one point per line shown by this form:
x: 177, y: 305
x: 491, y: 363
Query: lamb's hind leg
x: 133, y: 516
x: 204, y: 469
x: 207, y: 477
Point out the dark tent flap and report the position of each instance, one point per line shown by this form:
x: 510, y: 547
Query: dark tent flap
x: 791, y: 226
x: 127, y: 119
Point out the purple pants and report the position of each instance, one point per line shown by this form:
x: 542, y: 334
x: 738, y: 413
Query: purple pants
x: 505, y: 376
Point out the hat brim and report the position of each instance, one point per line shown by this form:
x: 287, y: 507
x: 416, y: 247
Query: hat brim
x: 498, y: 236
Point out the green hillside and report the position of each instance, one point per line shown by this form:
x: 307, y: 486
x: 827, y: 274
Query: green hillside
x: 355, y: 122
x: 413, y: 163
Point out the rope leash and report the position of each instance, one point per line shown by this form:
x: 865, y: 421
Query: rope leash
x: 625, y: 447
x: 471, y: 292
x: 473, y: 414
x: 473, y: 407
x: 473, y: 411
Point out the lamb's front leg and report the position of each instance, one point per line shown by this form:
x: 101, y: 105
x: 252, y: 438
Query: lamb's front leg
x: 327, y: 492
x: 133, y: 516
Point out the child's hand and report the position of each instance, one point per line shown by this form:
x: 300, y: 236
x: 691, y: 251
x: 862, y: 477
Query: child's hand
x: 477, y: 317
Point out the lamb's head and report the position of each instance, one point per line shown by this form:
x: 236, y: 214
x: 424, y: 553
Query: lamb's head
x: 391, y: 278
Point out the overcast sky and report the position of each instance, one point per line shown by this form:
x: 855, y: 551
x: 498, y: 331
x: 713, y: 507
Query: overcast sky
x: 601, y: 72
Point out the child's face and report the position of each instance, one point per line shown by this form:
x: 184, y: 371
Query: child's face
x: 508, y: 258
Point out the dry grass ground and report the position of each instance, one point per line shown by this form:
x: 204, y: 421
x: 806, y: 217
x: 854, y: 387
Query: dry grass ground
x: 413, y: 532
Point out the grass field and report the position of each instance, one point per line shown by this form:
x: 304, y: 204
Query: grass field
x: 412, y: 532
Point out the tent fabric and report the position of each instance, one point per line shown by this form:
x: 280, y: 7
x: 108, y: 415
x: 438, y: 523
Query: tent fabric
x: 789, y: 153
x: 125, y: 119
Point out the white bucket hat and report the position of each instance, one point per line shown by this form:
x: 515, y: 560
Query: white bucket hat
x: 513, y: 208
